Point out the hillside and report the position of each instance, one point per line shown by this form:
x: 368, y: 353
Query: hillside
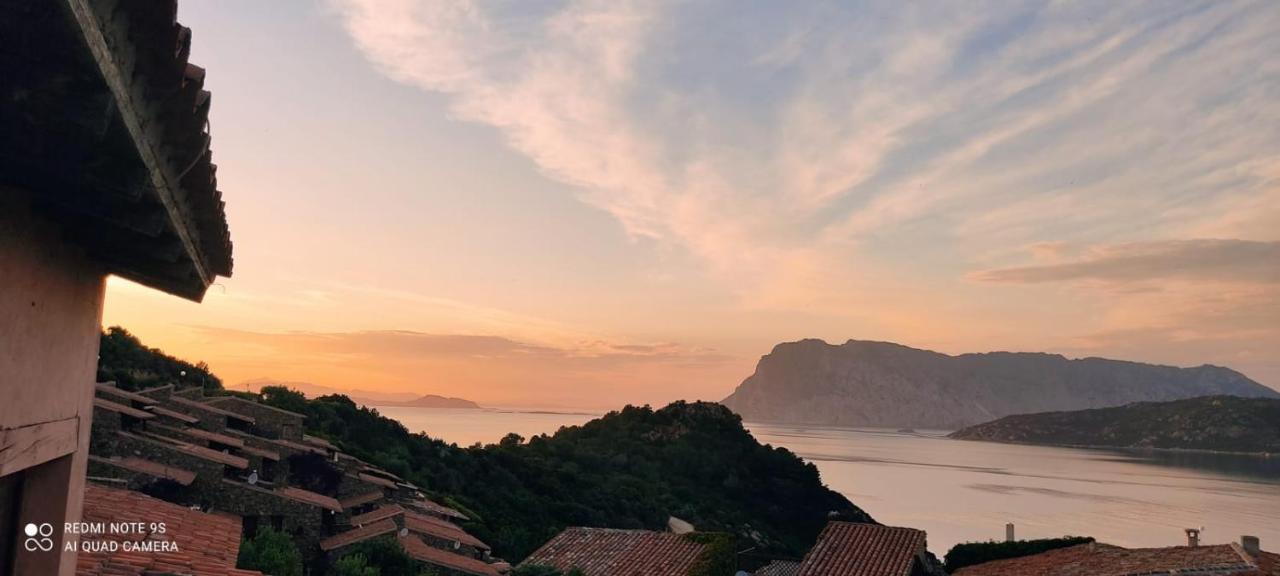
x: 632, y: 468
x: 1221, y: 423
x: 863, y: 383
x: 434, y: 401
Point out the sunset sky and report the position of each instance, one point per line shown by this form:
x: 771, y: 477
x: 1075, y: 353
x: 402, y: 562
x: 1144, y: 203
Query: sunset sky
x: 585, y: 204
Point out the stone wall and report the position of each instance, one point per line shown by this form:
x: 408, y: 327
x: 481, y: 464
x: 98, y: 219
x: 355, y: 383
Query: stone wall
x: 269, y: 422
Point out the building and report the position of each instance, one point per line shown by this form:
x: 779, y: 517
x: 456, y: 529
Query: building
x: 1245, y: 558
x: 105, y: 168
x: 234, y: 456
x: 192, y: 542
x: 613, y: 552
x: 856, y: 549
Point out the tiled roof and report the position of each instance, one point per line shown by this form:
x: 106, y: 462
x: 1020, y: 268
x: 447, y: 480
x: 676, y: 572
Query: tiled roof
x: 443, y: 529
x: 162, y: 411
x: 209, y: 408
x: 111, y: 389
x: 203, y: 435
x: 121, y: 408
x: 376, y: 471
x: 296, y: 446
x: 854, y: 549
x: 261, y: 452
x: 1106, y: 560
x: 237, y: 399
x: 309, y: 497
x: 610, y: 552
x: 779, y: 568
x: 179, y: 475
x: 198, y: 451
x: 358, y: 499
x: 421, y: 552
x: 437, y: 509
x: 380, y: 513
x: 355, y: 535
x: 318, y: 441
x: 375, y: 480
x: 207, y: 544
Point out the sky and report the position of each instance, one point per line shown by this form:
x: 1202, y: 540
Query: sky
x: 586, y: 203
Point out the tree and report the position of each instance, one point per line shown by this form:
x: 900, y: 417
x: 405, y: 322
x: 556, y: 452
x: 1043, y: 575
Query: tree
x: 270, y: 552
x: 353, y: 565
x: 386, y: 555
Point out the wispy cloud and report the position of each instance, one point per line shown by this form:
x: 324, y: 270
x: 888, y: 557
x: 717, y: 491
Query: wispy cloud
x: 1218, y: 261
x: 860, y: 160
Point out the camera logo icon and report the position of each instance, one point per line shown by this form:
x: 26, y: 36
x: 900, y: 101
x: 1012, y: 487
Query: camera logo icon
x: 38, y: 537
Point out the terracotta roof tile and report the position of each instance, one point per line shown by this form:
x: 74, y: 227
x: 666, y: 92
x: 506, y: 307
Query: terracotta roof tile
x: 203, y: 435
x: 359, y: 499
x: 122, y: 409
x: 207, y: 544
x: 436, y: 509
x: 854, y: 549
x: 610, y: 552
x: 261, y: 453
x: 380, y: 513
x: 357, y: 535
x: 198, y: 451
x: 421, y: 552
x: 309, y: 497
x: 318, y: 441
x: 432, y: 526
x: 162, y: 411
x: 353, y: 501
x: 113, y: 390
x: 179, y: 475
x: 376, y: 480
x: 779, y: 568
x: 209, y: 408
x: 239, y: 400
x: 1106, y: 560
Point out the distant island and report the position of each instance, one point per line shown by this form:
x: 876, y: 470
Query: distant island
x: 433, y: 401
x: 1216, y: 423
x: 881, y: 384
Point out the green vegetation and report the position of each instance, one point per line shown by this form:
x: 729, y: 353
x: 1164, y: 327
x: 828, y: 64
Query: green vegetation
x: 353, y: 565
x: 971, y: 553
x: 270, y: 552
x: 719, y: 557
x: 632, y: 468
x: 1217, y: 423
x: 123, y: 359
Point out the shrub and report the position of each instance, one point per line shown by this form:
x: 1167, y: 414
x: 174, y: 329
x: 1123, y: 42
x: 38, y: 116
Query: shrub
x: 971, y: 553
x: 270, y: 552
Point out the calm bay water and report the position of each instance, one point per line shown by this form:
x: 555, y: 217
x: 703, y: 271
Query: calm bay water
x: 963, y: 491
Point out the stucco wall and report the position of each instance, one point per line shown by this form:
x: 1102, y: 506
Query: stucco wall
x: 50, y: 318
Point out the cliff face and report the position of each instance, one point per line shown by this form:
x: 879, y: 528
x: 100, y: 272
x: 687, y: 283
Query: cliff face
x: 881, y: 384
x: 1223, y: 423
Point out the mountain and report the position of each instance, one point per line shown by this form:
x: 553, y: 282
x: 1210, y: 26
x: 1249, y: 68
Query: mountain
x: 1221, y: 423
x: 881, y: 384
x: 315, y: 390
x: 433, y: 401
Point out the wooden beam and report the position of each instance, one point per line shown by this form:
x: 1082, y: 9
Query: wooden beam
x: 22, y: 448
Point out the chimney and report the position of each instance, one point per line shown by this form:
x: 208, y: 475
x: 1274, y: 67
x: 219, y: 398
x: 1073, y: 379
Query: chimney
x: 1193, y: 537
x: 1008, y: 532
x: 1251, y: 545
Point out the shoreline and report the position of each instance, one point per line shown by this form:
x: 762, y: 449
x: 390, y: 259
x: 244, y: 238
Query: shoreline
x: 1264, y: 455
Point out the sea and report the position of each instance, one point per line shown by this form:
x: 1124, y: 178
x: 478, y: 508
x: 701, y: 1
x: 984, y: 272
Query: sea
x: 962, y: 491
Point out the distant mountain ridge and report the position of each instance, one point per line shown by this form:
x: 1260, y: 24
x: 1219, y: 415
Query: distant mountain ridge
x: 882, y: 384
x: 434, y: 401
x: 1217, y: 423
